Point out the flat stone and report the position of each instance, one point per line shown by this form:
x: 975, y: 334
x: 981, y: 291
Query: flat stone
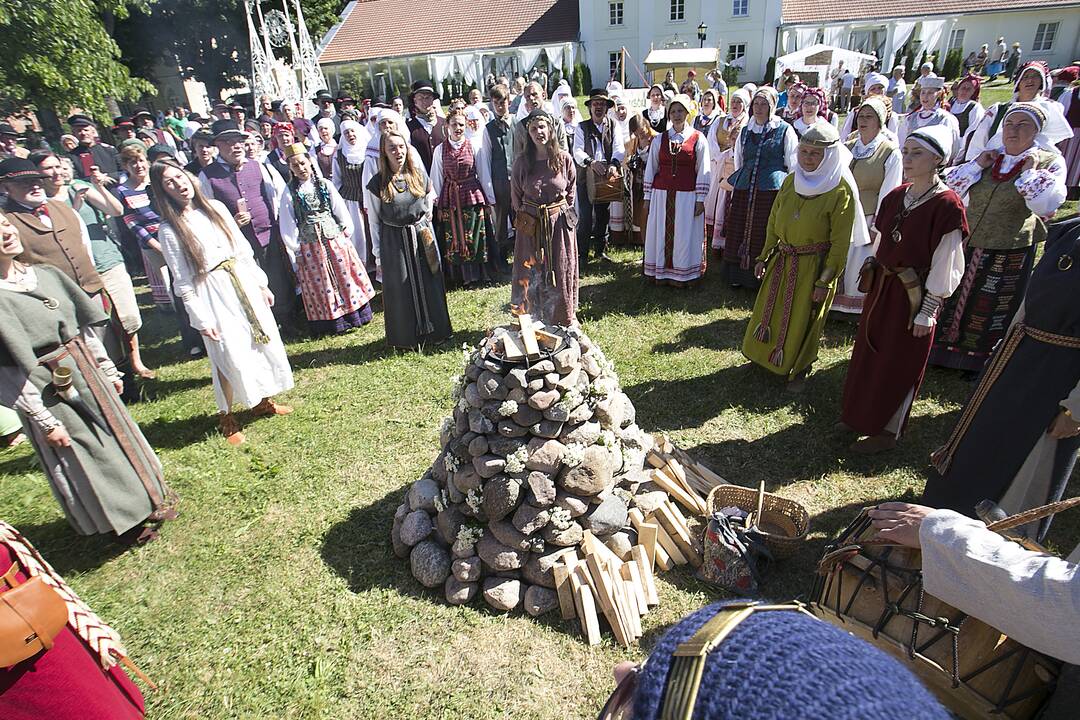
x: 541, y: 489
x: 543, y: 399
x: 472, y: 395
x: 569, y: 380
x: 567, y: 537
x: 590, y: 365
x: 438, y: 469
x: 415, y: 527
x: 518, y: 395
x: 545, y: 455
x: 516, y: 380
x: 547, y: 429
x: 540, y: 369
x: 609, y: 412
x: 466, y: 569
x: 462, y: 551
x: 535, y: 385
x: 478, y: 423
x: 504, y: 445
x: 539, y: 569
x: 466, y: 478
x: 448, y: 523
x: 629, y: 412
x: 488, y: 466
x: 498, y: 556
x: 509, y: 428
x: 478, y: 446
x: 460, y: 593
x: 592, y: 476
x: 472, y: 371
x: 501, y: 496
x: 490, y: 386
x: 526, y: 416
x: 505, y: 532
x: 585, y: 434
x: 584, y: 342
x: 572, y: 504
x: 401, y: 550
x: 551, y: 379
x: 648, y: 502
x: 540, y: 600
x: 528, y: 519
x: 620, y: 544
x: 566, y: 359
x: 461, y: 421
x: 607, y: 517
x: 503, y: 593
x: 557, y: 413
x: 430, y: 563
x: 582, y: 413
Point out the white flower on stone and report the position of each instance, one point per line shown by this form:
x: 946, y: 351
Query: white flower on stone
x: 447, y: 425
x: 442, y: 500
x: 573, y: 455
x: 457, y: 386
x: 451, y: 462
x: 560, y: 518
x: 474, y: 499
x: 607, y: 439
x: 507, y: 408
x: 571, y: 399
x: 515, y: 461
x: 467, y: 537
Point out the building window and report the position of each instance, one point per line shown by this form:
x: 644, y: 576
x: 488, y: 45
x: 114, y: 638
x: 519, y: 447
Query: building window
x: 819, y: 39
x: 1044, y: 37
x: 678, y: 10
x: 736, y: 54
x: 740, y: 8
x: 956, y: 39
x: 615, y: 13
x: 614, y: 63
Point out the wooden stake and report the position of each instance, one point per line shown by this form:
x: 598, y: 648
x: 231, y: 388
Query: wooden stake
x: 592, y: 544
x: 632, y: 574
x: 647, y: 579
x: 647, y: 537
x: 672, y: 488
x: 665, y: 541
x: 590, y: 624
x: 679, y: 534
x: 606, y: 595
x: 565, y: 591
x: 528, y: 335
x: 512, y: 349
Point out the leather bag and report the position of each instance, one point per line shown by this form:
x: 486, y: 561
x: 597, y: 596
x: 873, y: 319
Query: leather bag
x: 32, y: 614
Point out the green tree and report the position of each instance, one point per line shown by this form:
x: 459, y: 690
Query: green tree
x: 59, y: 54
x: 954, y: 64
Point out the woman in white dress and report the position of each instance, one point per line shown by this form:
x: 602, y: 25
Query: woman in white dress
x: 620, y: 115
x: 676, y: 182
x: 226, y: 296
x: 931, y: 111
x: 347, y: 174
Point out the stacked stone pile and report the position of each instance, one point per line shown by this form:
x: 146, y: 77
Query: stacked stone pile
x: 538, y: 451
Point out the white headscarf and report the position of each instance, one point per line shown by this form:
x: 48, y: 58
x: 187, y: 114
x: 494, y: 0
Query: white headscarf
x: 376, y: 129
x: 329, y: 147
x: 562, y: 91
x: 874, y: 78
x: 354, y: 152
x: 834, y: 169
x: 743, y: 95
x: 1048, y: 116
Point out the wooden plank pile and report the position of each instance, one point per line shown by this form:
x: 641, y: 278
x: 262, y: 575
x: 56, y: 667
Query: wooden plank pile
x: 593, y: 583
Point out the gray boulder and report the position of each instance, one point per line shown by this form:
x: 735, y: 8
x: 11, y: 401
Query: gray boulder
x: 430, y: 563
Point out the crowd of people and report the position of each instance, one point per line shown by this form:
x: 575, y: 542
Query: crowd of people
x: 924, y: 225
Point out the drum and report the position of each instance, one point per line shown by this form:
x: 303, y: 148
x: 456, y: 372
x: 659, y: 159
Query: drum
x: 875, y: 591
x: 604, y: 189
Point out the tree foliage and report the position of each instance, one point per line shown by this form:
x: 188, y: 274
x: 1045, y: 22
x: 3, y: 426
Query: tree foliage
x: 59, y: 54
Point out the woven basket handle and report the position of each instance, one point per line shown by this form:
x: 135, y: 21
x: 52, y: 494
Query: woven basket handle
x: 1023, y: 518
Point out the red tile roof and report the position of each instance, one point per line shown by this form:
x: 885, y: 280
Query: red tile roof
x: 394, y: 28
x: 823, y: 11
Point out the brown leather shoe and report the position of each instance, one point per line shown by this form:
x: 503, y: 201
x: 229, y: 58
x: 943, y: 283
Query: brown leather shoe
x: 269, y: 407
x: 230, y: 428
x: 874, y: 444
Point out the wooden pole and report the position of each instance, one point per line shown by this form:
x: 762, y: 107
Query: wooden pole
x: 622, y: 65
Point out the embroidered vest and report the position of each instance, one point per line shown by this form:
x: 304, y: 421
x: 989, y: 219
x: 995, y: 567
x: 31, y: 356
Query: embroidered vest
x: 352, y: 178
x: 247, y: 183
x: 963, y: 119
x: 763, y: 159
x: 677, y: 166
x: 60, y: 246
x: 461, y: 186
x: 998, y: 217
x: 869, y: 173
x: 314, y: 216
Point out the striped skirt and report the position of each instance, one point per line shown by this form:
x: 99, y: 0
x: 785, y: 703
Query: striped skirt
x: 744, y: 233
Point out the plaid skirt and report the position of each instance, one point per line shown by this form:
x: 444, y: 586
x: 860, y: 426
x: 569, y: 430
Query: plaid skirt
x: 744, y: 233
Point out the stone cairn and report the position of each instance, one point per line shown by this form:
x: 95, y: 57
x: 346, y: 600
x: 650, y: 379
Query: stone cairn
x: 541, y: 452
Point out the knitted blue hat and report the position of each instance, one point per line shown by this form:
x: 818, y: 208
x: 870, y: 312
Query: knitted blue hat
x: 779, y: 665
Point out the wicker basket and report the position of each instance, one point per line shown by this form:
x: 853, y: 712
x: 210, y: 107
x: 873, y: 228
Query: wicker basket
x: 784, y: 523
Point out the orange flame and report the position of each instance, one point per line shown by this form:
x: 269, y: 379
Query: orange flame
x: 523, y: 308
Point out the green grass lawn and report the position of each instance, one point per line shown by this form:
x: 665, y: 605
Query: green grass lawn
x: 276, y: 593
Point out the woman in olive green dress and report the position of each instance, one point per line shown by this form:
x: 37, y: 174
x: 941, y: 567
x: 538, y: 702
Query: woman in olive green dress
x: 100, y: 467
x: 806, y: 244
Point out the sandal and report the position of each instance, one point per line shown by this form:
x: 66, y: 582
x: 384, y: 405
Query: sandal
x: 230, y: 428
x: 269, y: 407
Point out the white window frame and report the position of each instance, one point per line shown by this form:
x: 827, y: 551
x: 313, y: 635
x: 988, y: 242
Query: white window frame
x: 957, y: 34
x: 677, y: 11
x: 616, y: 9
x: 614, y: 62
x: 737, y: 5
x: 733, y: 56
x: 1041, y: 31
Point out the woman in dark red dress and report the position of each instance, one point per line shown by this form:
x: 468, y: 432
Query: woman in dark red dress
x: 918, y: 264
x: 78, y: 678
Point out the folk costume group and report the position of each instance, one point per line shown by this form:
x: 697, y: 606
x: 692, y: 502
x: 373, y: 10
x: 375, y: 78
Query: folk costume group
x: 924, y: 226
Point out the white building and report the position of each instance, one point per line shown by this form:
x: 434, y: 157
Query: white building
x: 756, y: 30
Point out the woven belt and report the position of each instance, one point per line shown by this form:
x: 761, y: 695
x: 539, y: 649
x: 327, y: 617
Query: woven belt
x: 790, y: 258
x: 229, y: 266
x: 545, y: 229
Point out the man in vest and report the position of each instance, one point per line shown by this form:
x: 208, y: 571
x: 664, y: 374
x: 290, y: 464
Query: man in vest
x: 533, y: 97
x: 426, y: 129
x: 500, y: 138
x: 599, y: 148
x: 91, y: 153
x: 51, y: 232
x: 251, y: 191
x: 325, y: 102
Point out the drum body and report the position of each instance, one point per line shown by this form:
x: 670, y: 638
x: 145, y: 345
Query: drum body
x: 603, y: 189
x: 875, y: 592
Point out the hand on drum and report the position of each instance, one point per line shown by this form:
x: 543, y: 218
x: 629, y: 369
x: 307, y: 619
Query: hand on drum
x: 899, y: 522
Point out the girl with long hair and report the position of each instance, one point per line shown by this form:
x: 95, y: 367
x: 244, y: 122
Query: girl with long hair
x: 226, y: 296
x: 399, y: 199
x: 316, y: 228
x: 637, y: 155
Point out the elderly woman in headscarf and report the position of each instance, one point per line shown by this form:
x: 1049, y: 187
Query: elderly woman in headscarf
x: 640, y: 140
x: 932, y: 110
x: 806, y: 244
x: 347, y: 175
x: 813, y: 107
x: 877, y: 167
x: 676, y: 184
x: 542, y: 186
x: 655, y: 111
x: 1011, y: 190
x: 764, y: 155
x: 722, y: 153
x: 1032, y: 86
x: 966, y: 107
x: 912, y: 271
x: 322, y: 152
x: 874, y: 85
x: 569, y: 116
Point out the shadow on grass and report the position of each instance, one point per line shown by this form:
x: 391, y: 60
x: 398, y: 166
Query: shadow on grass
x: 374, y: 350
x: 68, y: 552
x: 178, y: 433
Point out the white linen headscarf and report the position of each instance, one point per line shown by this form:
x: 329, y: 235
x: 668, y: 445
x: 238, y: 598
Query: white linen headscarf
x: 1048, y: 116
x: 376, y: 131
x: 354, y: 152
x: 872, y: 79
x: 834, y: 169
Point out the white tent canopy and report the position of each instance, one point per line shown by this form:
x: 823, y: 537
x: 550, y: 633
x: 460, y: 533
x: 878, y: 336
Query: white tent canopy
x: 820, y: 59
x: 682, y: 57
